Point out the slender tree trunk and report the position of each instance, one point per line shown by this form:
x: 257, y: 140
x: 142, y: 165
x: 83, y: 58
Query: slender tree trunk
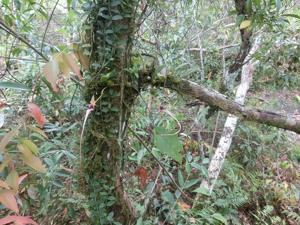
x: 108, y: 35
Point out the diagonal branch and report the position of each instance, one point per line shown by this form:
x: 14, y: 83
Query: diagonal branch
x: 7, y: 29
x: 214, y: 98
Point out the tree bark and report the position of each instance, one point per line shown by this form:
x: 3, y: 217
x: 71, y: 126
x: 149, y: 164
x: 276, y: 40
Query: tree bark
x: 214, y: 98
x: 108, y: 35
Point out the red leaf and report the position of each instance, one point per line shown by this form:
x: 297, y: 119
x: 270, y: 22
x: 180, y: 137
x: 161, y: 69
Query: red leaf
x: 22, y: 177
x: 142, y: 174
x: 19, y: 220
x: 36, y: 113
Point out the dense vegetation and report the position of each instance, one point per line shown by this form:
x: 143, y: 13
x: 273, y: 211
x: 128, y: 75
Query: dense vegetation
x: 132, y: 112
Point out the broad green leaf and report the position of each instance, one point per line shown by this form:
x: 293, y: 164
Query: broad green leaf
x: 180, y: 178
x: 245, y: 24
x: 117, y: 17
x: 190, y: 183
x: 14, y: 86
x: 168, y: 143
x: 202, y: 190
x: 30, y: 145
x: 167, y: 196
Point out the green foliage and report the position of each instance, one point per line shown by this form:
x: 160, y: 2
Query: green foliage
x: 167, y: 142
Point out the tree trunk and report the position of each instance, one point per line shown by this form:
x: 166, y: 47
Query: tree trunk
x: 108, y: 37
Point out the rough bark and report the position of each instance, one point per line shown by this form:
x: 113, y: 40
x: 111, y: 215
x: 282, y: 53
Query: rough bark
x: 109, y: 31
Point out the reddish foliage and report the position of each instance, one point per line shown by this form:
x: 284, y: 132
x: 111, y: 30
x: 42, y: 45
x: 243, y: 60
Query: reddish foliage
x: 142, y: 174
x: 36, y: 113
x: 19, y: 220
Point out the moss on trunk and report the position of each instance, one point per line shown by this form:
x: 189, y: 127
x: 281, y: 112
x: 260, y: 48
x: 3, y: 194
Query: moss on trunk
x: 108, y: 38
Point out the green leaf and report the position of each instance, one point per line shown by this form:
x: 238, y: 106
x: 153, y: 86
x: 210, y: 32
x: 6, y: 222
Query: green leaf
x: 115, y: 3
x: 190, y: 183
x: 292, y: 15
x: 245, y: 24
x: 168, y: 143
x: 180, y: 178
x: 15, y: 86
x: 220, y: 218
x: 117, y: 17
x: 202, y: 190
x: 168, y: 197
x: 30, y: 145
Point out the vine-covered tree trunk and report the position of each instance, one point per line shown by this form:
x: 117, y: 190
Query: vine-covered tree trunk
x: 108, y: 37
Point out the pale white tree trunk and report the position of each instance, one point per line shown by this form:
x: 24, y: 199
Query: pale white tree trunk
x: 231, y: 122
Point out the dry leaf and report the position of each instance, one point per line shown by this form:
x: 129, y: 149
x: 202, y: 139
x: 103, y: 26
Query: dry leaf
x: 51, y: 72
x: 13, y: 180
x: 70, y: 59
x: 183, y: 206
x: 18, y: 220
x: 8, y: 199
x: 7, y: 138
x: 4, y: 185
x: 82, y: 58
x: 141, y: 172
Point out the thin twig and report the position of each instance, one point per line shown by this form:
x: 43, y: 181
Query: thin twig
x: 7, y: 29
x: 48, y: 22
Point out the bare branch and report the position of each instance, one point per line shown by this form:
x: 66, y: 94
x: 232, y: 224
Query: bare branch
x: 214, y: 98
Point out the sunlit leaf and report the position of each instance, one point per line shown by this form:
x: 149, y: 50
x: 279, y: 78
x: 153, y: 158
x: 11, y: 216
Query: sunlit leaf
x: 62, y: 63
x: 8, y: 199
x: 70, y: 60
x: 19, y: 220
x: 31, y: 160
x: 245, y: 24
x: 30, y: 145
x: 36, y: 113
x: 51, y: 71
x: 7, y: 138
